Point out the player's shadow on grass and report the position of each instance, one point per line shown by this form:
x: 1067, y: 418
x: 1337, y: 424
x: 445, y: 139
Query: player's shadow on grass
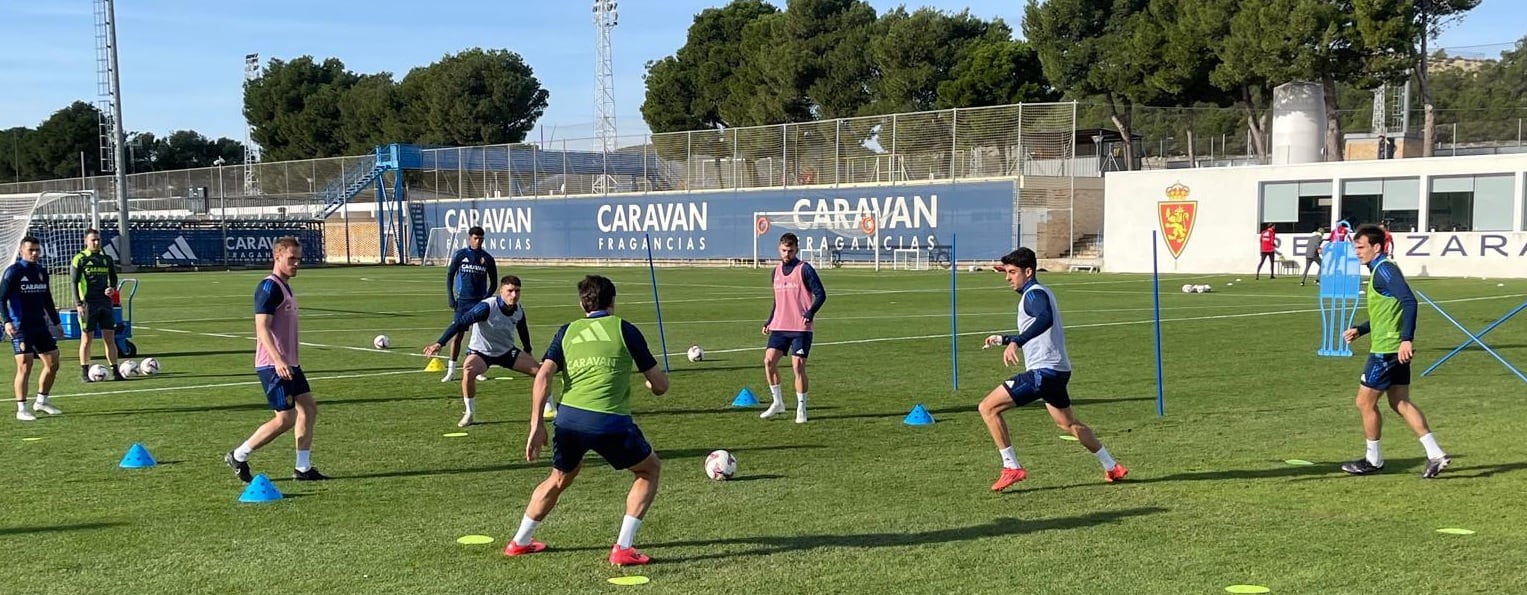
x: 253, y: 405
x: 1481, y: 471
x: 725, y: 408
x: 144, y: 354
x: 57, y: 528
x: 545, y: 461
x: 360, y: 312
x: 1002, y: 527
x: 709, y: 368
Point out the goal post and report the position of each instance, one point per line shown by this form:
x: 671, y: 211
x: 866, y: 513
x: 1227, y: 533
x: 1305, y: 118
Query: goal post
x: 441, y: 244
x: 826, y: 239
x: 58, y: 220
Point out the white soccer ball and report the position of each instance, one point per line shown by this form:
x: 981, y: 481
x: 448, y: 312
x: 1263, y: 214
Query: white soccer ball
x: 1202, y: 289
x: 720, y: 465
x: 128, y: 368
x: 381, y: 342
x: 695, y: 353
x: 148, y: 367
x: 1187, y: 289
x: 97, y: 373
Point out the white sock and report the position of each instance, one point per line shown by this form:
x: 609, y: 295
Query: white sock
x: 628, y: 527
x: 800, y: 400
x: 302, y: 460
x: 242, y: 453
x: 527, y: 527
x: 1373, y: 453
x: 42, y: 399
x: 468, y: 401
x: 1105, y: 458
x: 1432, y: 450
x: 1009, y: 459
x: 21, y: 406
x: 450, y: 366
x: 779, y: 398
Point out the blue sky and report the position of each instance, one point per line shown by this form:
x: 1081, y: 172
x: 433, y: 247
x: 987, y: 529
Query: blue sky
x: 182, y: 61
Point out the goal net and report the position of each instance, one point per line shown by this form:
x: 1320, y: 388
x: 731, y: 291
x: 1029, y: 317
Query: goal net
x: 442, y: 243
x: 58, y: 220
x: 826, y: 239
x: 909, y: 259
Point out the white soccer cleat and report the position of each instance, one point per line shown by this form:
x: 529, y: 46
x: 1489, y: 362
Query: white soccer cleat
x: 449, y: 374
x: 773, y: 410
x: 466, y: 420
x: 45, y: 408
x: 25, y: 416
x: 800, y: 415
x: 482, y: 378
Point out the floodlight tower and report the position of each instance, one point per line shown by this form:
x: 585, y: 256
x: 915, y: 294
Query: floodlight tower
x: 109, y: 90
x: 251, y: 150
x: 605, y: 19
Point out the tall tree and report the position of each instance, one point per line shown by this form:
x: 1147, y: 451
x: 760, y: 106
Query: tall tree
x: 474, y: 97
x: 1430, y: 18
x: 685, y: 91
x: 295, y: 108
x: 59, y: 141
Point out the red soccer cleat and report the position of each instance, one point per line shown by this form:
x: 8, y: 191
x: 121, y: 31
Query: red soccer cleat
x: 1008, y: 477
x: 515, y: 549
x: 627, y: 556
x: 1117, y: 473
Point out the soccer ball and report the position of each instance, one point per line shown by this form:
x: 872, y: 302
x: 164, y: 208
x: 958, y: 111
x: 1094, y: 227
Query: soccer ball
x: 128, y: 368
x: 1187, y: 289
x: 381, y: 342
x: 148, y: 367
x: 720, y: 465
x: 1204, y: 289
x: 97, y: 373
x: 695, y: 353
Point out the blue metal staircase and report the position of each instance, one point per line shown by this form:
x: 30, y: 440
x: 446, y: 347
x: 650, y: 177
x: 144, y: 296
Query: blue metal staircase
x: 351, y: 182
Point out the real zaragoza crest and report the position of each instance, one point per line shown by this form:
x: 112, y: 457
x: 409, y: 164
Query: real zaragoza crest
x: 1176, y: 215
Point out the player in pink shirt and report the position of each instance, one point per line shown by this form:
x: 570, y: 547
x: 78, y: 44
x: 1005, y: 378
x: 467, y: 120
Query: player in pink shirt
x: 798, y: 294
x: 286, y: 388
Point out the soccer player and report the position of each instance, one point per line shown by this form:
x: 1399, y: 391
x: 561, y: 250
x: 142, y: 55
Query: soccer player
x: 494, y: 322
x: 1269, y: 244
x: 595, y: 356
x: 94, y: 277
x: 31, y: 321
x: 468, y: 282
x: 798, y: 294
x: 1312, y: 251
x: 286, y: 388
x: 1042, y: 338
x: 1392, y: 322
x: 1341, y: 233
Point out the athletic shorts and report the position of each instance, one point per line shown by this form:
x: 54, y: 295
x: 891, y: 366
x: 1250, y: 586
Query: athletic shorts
x: 503, y: 361
x: 620, y: 448
x: 1383, y: 370
x: 98, y: 317
x: 282, y: 394
x: 796, y: 343
x: 1044, y: 383
x: 33, y: 341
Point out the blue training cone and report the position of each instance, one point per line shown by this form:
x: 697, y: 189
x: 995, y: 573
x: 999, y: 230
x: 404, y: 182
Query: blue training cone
x: 260, y: 490
x: 745, y: 398
x: 918, y: 417
x: 137, y: 457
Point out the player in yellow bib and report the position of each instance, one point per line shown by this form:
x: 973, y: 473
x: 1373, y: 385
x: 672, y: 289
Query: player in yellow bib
x: 596, y: 356
x: 1392, y: 326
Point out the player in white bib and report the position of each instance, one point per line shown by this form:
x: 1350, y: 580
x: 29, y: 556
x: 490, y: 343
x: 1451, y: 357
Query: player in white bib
x: 494, y: 322
x: 1048, y: 369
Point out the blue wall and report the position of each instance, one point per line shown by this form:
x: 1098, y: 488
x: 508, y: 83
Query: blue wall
x: 719, y: 225
x: 174, y: 243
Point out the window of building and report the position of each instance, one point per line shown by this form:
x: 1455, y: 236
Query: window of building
x: 1296, y: 207
x: 1471, y: 203
x: 1395, y: 201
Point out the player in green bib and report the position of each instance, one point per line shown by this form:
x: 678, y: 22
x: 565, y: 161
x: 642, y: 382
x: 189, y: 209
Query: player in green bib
x: 596, y: 357
x: 1392, y: 326
x: 94, y: 276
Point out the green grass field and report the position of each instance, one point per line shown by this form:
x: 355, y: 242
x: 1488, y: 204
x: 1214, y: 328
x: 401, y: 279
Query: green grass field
x: 852, y: 502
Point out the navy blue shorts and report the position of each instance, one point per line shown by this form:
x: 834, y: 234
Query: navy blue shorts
x: 795, y: 343
x: 99, y: 317
x: 1382, y: 371
x: 1044, y: 383
x: 35, y: 342
x: 282, y: 394
x: 620, y: 448
x: 503, y: 361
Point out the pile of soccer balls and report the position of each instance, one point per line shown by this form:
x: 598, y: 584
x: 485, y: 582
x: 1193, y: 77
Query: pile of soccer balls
x: 1197, y: 288
x: 128, y: 368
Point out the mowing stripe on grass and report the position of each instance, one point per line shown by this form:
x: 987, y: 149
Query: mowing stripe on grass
x: 226, y: 384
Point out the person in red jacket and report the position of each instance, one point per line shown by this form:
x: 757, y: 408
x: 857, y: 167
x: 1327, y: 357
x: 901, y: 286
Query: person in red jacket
x: 1269, y: 241
x: 1388, y: 247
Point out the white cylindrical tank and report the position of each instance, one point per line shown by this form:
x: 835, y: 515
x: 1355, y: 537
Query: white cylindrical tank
x: 1298, y: 123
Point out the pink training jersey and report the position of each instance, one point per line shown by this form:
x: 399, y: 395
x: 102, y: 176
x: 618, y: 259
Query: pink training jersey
x: 791, y: 299
x: 284, y: 331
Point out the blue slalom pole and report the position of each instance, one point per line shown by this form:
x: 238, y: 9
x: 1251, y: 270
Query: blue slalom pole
x: 662, y: 342
x: 954, y: 333
x: 1156, y: 297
